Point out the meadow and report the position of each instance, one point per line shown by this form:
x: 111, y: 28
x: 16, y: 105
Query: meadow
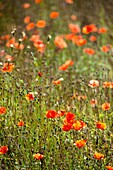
x: 56, y: 90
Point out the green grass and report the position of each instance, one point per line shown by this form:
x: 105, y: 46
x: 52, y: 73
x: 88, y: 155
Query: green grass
x: 39, y: 133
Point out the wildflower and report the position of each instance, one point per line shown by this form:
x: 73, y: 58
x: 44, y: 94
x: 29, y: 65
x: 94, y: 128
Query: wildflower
x: 106, y: 106
x: 10, y: 42
x: 93, y: 83
x: 80, y: 143
x: 100, y: 125
x: 21, y: 123
x: 106, y: 48
x: 30, y: 96
x: 38, y: 1
x: 89, y: 28
x: 19, y: 46
x: 80, y: 42
x: 61, y: 113
x: 9, y: 57
x: 7, y: 67
x: 56, y: 82
x: 2, y: 110
x: 93, y: 38
x: 38, y: 156
x: 54, y: 15
x: 51, y: 114
x: 40, y: 74
x: 69, y: 118
x: 93, y: 102
x: 107, y: 84
x: 41, y: 23
x: 69, y: 36
x: 98, y: 156
x: 3, y: 149
x: 26, y: 5
x: 81, y: 97
x: 109, y: 167
x: 30, y: 26
x: 27, y: 19
x: 102, y: 30
x: 69, y: 1
x: 73, y: 17
x: 78, y: 125
x: 59, y: 42
x: 66, y: 64
x: 74, y: 28
x: 89, y: 51
x: 66, y: 127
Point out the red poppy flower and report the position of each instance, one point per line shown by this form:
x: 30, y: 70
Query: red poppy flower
x: 38, y: 156
x: 21, y: 123
x: 89, y: 28
x: 106, y: 106
x: 93, y: 83
x: 98, y: 156
x: 54, y: 14
x: 80, y: 42
x: 66, y: 65
x: 59, y: 42
x: 7, y: 67
x: 93, y: 38
x: 106, y: 48
x: 89, y: 51
x: 38, y: 1
x: 78, y: 125
x: 30, y: 96
x: 41, y: 23
x: 100, y: 125
x: 93, y: 102
x: 80, y: 143
x: 2, y: 110
x: 30, y: 26
x: 66, y: 127
x: 26, y: 5
x: 3, y: 149
x: 102, y: 30
x: 27, y: 19
x: 51, y: 114
x: 109, y: 167
x: 74, y: 28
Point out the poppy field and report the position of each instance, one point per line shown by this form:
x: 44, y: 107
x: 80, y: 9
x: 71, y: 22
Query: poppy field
x: 56, y: 91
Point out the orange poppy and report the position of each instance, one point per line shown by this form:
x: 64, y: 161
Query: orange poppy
x: 74, y: 28
x: 102, y: 30
x: 66, y: 65
x: 80, y: 42
x: 69, y: 1
x: 27, y: 19
x: 106, y: 106
x: 98, y: 156
x: 93, y: 102
x: 59, y: 42
x: 73, y: 17
x: 9, y: 57
x: 7, y: 67
x: 89, y: 51
x: 93, y: 83
x: 30, y: 26
x: 2, y: 110
x: 106, y: 48
x: 80, y: 143
x: 66, y: 127
x: 21, y: 123
x: 10, y: 43
x: 109, y: 167
x: 40, y: 46
x: 93, y: 38
x: 54, y: 15
x: 78, y: 125
x: 26, y: 5
x: 61, y: 113
x: 89, y: 28
x: 56, y: 82
x: 100, y: 125
x: 38, y: 156
x: 51, y: 114
x: 5, y: 37
x: 38, y: 1
x: 69, y: 36
x: 19, y: 46
x: 41, y: 23
x: 107, y: 84
x: 30, y: 96
x: 70, y: 118
x: 3, y: 149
